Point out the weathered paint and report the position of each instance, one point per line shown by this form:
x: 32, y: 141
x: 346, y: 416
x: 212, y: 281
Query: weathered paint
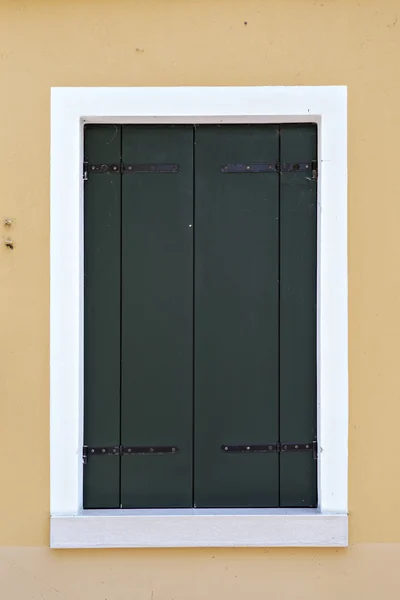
x: 212, y: 42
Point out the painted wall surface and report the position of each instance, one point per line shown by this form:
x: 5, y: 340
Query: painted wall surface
x: 46, y: 43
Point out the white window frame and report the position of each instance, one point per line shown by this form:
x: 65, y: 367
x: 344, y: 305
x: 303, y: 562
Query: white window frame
x: 71, y: 525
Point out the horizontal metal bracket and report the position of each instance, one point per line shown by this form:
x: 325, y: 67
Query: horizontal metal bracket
x: 254, y: 448
x: 149, y: 449
x: 150, y: 168
x: 101, y: 450
x: 267, y: 167
x: 279, y: 447
x: 298, y: 448
x: 125, y: 450
x: 134, y: 168
x: 250, y: 168
x: 90, y: 168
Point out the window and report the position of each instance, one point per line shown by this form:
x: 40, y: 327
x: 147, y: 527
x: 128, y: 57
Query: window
x: 200, y: 316
x: 321, y: 520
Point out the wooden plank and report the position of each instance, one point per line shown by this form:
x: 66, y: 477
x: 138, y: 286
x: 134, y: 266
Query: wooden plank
x: 157, y: 322
x: 236, y: 316
x: 298, y: 302
x: 102, y: 243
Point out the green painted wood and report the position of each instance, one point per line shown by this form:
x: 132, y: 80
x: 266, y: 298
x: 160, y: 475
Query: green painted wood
x: 157, y: 317
x: 236, y: 316
x: 102, y: 240
x: 298, y: 274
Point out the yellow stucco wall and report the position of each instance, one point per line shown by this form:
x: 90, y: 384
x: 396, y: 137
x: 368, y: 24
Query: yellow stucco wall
x: 201, y: 42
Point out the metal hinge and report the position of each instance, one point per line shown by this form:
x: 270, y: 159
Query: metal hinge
x: 279, y: 447
x: 125, y: 450
x: 300, y: 167
x: 134, y: 168
x: 314, y: 170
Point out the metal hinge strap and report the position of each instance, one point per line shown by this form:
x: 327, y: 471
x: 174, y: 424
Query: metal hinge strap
x: 270, y: 167
x: 125, y: 450
x: 134, y: 168
x: 279, y: 447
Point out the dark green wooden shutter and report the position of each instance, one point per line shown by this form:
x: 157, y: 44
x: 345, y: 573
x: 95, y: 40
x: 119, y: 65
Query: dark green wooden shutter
x: 253, y: 315
x: 157, y: 317
x: 102, y: 240
x: 298, y: 301
x: 236, y: 316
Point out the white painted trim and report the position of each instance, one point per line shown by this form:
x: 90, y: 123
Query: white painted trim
x: 70, y: 109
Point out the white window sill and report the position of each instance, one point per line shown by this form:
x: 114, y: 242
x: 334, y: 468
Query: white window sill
x: 198, y: 528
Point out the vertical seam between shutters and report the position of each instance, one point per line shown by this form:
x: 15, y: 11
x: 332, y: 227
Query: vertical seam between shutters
x: 193, y: 313
x: 279, y: 314
x: 120, y: 326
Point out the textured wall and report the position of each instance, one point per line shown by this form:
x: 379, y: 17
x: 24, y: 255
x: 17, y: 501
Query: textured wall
x: 200, y: 42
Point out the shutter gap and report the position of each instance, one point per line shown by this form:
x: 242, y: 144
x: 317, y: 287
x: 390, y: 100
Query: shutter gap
x: 193, y: 312
x: 279, y: 315
x: 120, y: 326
